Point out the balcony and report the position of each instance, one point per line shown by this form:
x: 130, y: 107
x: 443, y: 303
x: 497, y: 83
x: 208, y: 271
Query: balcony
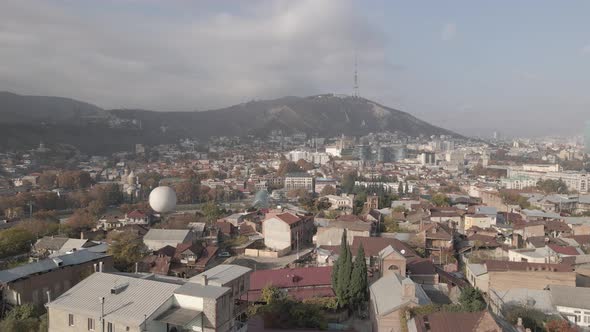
x: 240, y: 307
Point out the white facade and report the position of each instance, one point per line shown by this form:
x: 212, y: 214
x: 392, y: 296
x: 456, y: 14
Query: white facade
x: 277, y: 234
x: 344, y: 201
x: 580, y: 317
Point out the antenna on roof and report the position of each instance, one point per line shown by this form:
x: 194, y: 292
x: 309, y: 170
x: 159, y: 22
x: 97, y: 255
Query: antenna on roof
x: 355, y: 92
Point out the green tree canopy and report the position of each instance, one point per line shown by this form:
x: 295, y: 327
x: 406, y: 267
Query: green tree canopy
x: 358, y: 281
x: 15, y: 241
x: 127, y: 248
x: 441, y: 200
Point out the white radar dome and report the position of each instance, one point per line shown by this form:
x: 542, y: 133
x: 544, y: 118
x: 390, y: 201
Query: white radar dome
x: 163, y: 199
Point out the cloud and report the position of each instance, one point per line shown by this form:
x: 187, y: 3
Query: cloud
x: 448, y: 32
x: 586, y: 49
x: 176, y: 55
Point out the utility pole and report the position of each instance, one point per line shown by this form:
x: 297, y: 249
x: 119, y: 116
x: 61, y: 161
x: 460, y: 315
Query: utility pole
x: 101, y: 299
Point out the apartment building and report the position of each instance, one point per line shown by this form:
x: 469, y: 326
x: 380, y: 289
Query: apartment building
x: 300, y: 181
x: 145, y: 303
x: 35, y: 283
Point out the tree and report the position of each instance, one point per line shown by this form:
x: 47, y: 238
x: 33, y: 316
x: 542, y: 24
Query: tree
x: 126, y: 248
x: 344, y: 263
x: 328, y: 190
x: 107, y: 194
x: 560, y: 325
x: 187, y: 192
x: 441, y: 200
x: 260, y: 171
x: 347, y: 182
x: 47, y: 180
x: 40, y: 228
x: 96, y: 208
x: 407, y: 188
x: 211, y: 211
x: 471, y: 300
x: 400, y: 189
x: 81, y: 220
x: 287, y: 167
x: 531, y: 318
x: 553, y: 186
x: 22, y: 318
x: 74, y: 179
x: 305, y: 165
x: 358, y: 281
x: 15, y: 241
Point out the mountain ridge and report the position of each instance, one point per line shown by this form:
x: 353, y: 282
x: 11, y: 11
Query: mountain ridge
x: 325, y: 115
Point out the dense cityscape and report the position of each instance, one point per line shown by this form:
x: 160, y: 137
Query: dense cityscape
x: 231, y: 233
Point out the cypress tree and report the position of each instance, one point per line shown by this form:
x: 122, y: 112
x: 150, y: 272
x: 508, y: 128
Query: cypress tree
x: 342, y: 272
x: 400, y: 189
x: 359, y: 282
x: 407, y: 188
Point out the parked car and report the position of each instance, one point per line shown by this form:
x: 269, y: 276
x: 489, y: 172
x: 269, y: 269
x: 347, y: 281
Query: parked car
x: 224, y: 254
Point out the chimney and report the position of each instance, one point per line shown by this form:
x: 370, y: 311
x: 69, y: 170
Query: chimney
x: 204, y: 280
x: 99, y: 266
x: 519, y: 321
x: 94, y: 267
x: 136, y: 267
x: 48, y: 296
x: 81, y: 235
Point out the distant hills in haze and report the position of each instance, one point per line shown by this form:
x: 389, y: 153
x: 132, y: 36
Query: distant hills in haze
x: 27, y: 120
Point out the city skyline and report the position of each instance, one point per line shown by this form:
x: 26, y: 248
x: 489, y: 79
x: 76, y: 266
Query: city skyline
x: 445, y: 63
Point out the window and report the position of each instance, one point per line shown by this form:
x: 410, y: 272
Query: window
x: 71, y: 320
x: 90, y: 324
x: 110, y: 327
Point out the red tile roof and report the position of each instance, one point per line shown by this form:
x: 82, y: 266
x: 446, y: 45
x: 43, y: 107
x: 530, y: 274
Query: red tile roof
x: 571, y: 251
x: 302, y: 281
x: 206, y: 255
x: 289, y: 218
x: 136, y: 214
x: 295, y: 277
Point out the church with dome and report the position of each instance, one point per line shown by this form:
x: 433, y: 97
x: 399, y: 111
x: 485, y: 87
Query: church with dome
x: 130, y: 184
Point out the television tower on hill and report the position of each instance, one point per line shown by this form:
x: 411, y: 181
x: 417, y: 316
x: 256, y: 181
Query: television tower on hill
x: 355, y: 92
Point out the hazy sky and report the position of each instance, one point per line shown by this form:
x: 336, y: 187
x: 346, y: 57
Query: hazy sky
x: 519, y: 67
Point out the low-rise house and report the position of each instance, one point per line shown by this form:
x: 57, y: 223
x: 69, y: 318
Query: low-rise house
x: 117, y: 302
x: 32, y: 283
x: 286, y: 231
x: 572, y: 302
x: 389, y: 296
x: 299, y: 283
x: 436, y: 237
x: 49, y: 245
x: 137, y: 217
x: 331, y: 233
x: 342, y: 202
x: 535, y: 255
x: 443, y: 215
x: 503, y: 275
x: 159, y: 238
x: 479, y: 220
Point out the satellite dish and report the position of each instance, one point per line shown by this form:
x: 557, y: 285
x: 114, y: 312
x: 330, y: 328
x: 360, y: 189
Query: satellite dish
x: 163, y: 199
x: 403, y: 251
